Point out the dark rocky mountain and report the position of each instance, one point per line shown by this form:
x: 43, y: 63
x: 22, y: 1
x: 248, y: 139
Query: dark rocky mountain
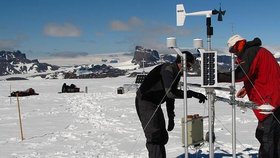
x: 15, y: 62
x: 150, y: 56
x: 94, y: 71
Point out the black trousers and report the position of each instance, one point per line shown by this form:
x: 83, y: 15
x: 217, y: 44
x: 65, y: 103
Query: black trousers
x: 153, y: 124
x: 268, y: 134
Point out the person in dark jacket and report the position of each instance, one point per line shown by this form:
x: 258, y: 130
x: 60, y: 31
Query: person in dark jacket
x: 260, y: 73
x: 159, y: 86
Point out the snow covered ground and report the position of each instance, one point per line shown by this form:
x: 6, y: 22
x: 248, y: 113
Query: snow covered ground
x: 102, y: 123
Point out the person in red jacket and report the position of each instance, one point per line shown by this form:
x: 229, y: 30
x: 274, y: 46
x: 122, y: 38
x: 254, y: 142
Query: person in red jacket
x: 260, y: 73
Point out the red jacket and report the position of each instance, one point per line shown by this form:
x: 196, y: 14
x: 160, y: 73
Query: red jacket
x: 260, y: 72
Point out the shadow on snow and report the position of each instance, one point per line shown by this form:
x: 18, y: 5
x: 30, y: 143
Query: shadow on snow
x: 199, y: 154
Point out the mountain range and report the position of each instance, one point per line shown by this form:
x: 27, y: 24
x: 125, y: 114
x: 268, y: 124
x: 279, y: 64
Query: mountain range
x: 15, y: 62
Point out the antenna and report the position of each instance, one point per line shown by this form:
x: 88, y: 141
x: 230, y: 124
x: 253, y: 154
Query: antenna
x: 232, y: 28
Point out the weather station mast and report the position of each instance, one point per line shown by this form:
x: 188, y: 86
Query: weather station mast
x: 208, y: 67
x: 209, y: 81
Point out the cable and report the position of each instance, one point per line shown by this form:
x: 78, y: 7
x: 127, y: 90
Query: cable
x: 228, y: 130
x: 161, y: 101
x: 257, y: 91
x: 231, y: 134
x: 251, y: 82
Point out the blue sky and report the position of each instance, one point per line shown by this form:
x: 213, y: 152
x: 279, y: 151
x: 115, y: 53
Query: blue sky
x: 49, y: 27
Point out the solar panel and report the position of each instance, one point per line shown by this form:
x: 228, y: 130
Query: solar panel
x: 209, y: 68
x: 140, y: 78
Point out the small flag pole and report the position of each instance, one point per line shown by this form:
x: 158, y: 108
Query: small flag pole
x: 19, y: 115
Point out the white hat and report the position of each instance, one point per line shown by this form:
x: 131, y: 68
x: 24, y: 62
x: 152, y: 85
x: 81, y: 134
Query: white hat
x: 233, y: 39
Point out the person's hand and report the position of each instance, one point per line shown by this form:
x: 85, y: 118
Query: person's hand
x: 170, y: 125
x: 241, y: 93
x: 201, y: 97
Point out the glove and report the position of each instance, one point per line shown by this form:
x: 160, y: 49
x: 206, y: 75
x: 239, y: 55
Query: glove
x: 170, y: 124
x: 201, y: 97
x: 241, y: 93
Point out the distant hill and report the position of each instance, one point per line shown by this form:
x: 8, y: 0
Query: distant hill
x: 15, y: 62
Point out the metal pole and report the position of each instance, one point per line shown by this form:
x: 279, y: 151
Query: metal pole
x: 185, y: 104
x: 233, y: 106
x: 208, y: 42
x: 185, y: 99
x: 19, y: 116
x: 10, y: 94
x: 143, y: 61
x: 210, y: 94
